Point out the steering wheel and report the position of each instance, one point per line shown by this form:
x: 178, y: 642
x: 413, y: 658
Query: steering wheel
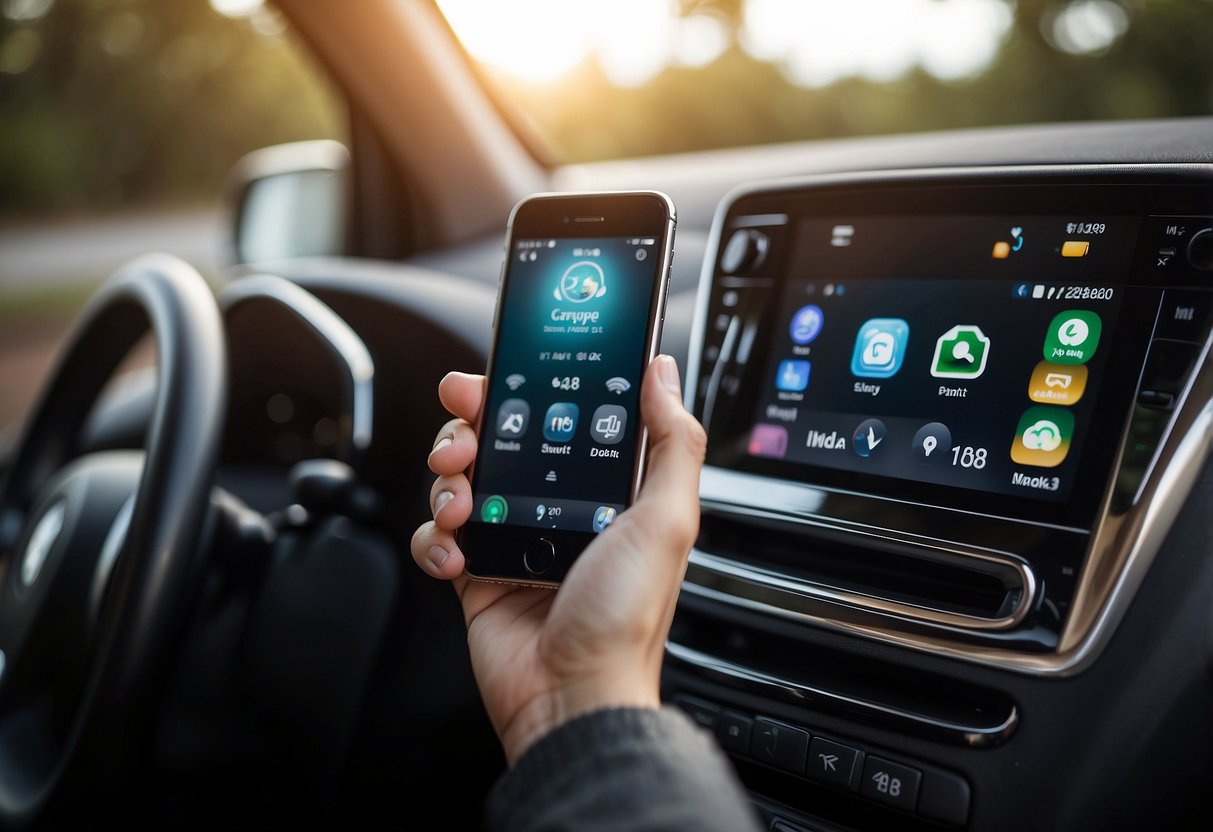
x: 99, y: 553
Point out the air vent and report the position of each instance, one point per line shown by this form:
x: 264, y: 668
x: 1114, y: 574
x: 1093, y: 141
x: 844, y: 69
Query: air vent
x: 930, y: 584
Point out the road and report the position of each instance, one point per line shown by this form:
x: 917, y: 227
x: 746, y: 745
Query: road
x: 48, y: 268
x: 62, y: 253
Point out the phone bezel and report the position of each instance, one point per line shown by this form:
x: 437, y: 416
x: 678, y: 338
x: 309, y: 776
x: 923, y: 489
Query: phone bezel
x: 495, y: 552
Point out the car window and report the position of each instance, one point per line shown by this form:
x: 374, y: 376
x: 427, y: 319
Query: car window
x: 637, y: 77
x: 121, y: 120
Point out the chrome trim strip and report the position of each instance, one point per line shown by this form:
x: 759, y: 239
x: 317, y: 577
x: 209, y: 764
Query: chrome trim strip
x: 759, y: 220
x: 971, y: 735
x: 341, y: 339
x: 728, y: 489
x: 722, y: 361
x: 1122, y: 546
x: 788, y: 589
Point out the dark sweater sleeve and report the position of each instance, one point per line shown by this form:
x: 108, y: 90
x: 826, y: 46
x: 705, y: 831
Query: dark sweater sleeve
x: 626, y: 768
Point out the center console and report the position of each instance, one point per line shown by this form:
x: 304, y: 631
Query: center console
x: 950, y: 411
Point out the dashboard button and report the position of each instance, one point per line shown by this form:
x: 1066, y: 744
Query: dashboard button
x: 834, y: 763
x: 1184, y: 316
x: 734, y: 731
x: 539, y: 556
x: 779, y: 744
x: 944, y: 797
x: 891, y: 783
x: 1157, y: 399
x: 1168, y: 366
x: 703, y: 712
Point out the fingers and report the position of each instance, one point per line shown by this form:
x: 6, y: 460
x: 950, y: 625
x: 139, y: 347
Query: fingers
x: 451, y: 501
x: 454, y: 449
x: 433, y: 545
x: 435, y: 551
x: 669, y: 499
x: 462, y: 394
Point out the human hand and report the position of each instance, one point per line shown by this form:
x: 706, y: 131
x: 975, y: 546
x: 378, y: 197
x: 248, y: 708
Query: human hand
x: 542, y: 657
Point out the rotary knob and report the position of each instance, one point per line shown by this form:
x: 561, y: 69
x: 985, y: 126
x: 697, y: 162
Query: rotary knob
x: 1200, y: 250
x: 746, y: 249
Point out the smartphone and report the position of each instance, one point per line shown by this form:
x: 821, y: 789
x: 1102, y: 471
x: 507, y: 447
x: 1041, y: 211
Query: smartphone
x: 579, y: 313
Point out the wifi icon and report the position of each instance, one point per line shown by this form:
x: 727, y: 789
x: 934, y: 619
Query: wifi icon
x: 618, y: 385
x: 515, y: 381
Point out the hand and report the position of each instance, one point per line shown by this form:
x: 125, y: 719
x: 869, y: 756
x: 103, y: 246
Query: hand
x: 542, y: 657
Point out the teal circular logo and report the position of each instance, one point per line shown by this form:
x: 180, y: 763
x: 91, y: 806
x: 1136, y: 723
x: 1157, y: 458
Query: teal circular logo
x: 581, y: 281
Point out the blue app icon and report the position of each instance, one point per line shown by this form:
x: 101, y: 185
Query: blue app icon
x: 880, y: 347
x: 560, y: 422
x: 806, y: 323
x: 792, y: 376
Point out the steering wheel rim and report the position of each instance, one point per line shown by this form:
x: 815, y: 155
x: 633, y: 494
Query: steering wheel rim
x: 157, y: 565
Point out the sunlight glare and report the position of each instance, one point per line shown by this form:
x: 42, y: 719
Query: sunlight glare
x: 237, y: 8
x: 817, y: 43
x: 541, y: 40
x: 1088, y: 27
x: 533, y: 40
x: 702, y: 38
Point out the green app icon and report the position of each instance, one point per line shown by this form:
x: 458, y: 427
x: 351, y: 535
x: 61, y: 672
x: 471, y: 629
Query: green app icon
x: 494, y: 509
x: 1072, y: 337
x: 961, y: 352
x: 1043, y: 436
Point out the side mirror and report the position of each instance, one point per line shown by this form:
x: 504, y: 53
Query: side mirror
x: 290, y: 201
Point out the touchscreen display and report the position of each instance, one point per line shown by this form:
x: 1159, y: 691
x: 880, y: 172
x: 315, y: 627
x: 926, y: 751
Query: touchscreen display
x: 959, y: 351
x: 561, y: 418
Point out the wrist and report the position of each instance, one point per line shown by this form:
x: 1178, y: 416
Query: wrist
x: 548, y: 711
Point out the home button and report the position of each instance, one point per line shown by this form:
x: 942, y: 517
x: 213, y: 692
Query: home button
x: 539, y: 556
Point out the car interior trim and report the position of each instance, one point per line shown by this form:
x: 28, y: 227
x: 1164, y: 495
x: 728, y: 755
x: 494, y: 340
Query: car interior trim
x: 781, y: 585
x: 1121, y: 545
x: 973, y: 735
x: 733, y: 490
x: 354, y: 358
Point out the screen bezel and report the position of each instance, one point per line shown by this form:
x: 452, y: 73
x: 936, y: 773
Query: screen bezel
x: 1028, y: 192
x: 494, y: 552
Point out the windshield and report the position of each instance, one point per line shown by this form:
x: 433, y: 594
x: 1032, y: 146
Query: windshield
x: 641, y: 77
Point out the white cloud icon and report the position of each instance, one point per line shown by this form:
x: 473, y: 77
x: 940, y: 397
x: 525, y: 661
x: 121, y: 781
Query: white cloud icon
x: 1042, y: 436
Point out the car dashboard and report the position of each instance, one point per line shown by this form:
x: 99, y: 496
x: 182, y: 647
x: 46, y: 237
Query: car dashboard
x: 952, y: 569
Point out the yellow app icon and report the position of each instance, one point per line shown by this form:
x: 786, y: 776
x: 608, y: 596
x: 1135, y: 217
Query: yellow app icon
x: 1057, y: 383
x: 1043, y: 436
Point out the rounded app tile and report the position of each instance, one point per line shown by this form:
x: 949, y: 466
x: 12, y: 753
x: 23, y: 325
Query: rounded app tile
x: 868, y: 437
x: 806, y: 323
x: 1042, y: 437
x: 932, y: 442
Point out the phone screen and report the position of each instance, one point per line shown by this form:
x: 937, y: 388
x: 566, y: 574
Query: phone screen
x: 561, y: 425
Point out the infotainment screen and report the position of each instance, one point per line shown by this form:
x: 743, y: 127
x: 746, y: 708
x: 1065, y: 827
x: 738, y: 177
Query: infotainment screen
x: 962, y: 351
x: 966, y: 345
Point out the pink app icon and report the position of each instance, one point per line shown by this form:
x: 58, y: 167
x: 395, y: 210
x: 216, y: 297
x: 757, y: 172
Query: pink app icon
x: 769, y: 440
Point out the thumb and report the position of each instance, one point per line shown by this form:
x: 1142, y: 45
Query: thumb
x: 668, y: 504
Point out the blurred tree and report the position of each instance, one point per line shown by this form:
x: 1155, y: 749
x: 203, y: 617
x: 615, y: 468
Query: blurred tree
x: 1159, y: 66
x: 107, y: 104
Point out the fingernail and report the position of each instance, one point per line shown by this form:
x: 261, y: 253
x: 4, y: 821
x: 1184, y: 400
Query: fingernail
x: 442, y: 443
x: 437, y: 556
x: 441, y: 500
x: 669, y: 374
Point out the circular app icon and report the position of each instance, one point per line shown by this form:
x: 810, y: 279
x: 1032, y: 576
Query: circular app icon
x: 603, y: 517
x: 868, y: 437
x: 806, y: 323
x: 932, y: 443
x: 581, y: 282
x: 494, y: 509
